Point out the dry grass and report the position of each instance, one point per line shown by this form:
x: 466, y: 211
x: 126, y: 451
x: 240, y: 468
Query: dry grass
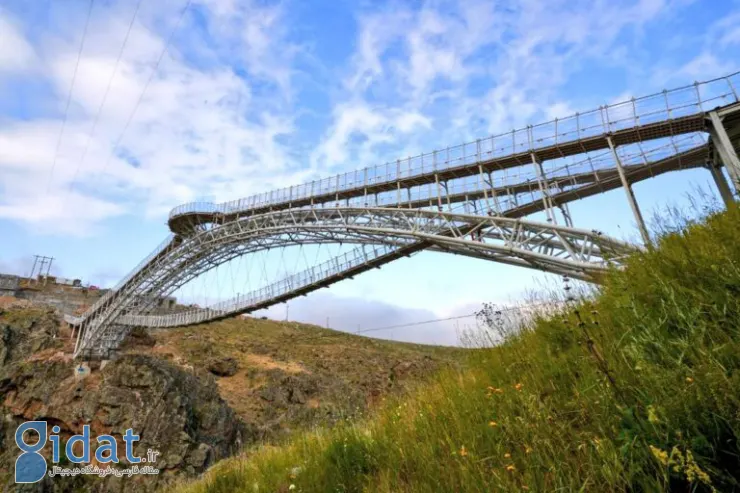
x: 342, y: 375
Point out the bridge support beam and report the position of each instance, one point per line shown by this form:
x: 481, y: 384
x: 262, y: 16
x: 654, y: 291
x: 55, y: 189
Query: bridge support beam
x: 723, y: 145
x: 542, y: 183
x: 630, y: 194
x: 722, y: 186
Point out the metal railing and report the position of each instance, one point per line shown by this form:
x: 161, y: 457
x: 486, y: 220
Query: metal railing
x: 666, y: 105
x: 114, y: 290
x: 239, y: 304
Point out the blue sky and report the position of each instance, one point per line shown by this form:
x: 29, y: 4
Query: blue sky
x: 254, y: 95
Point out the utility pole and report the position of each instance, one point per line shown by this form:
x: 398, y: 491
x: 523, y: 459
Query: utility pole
x: 41, y: 261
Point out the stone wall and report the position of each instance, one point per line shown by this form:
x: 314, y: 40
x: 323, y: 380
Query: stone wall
x: 63, y: 298
x: 9, y: 284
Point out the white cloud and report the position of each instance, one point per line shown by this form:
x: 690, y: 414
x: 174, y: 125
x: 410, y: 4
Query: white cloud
x: 198, y: 129
x: 700, y: 67
x: 16, y: 54
x: 466, y: 68
x: 560, y: 109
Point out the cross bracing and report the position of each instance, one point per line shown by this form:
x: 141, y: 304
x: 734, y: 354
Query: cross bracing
x: 463, y: 200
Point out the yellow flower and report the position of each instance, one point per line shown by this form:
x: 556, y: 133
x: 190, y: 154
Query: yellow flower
x: 660, y: 455
x: 507, y: 455
x: 463, y: 452
x: 689, y: 380
x: 527, y: 450
x: 511, y: 468
x: 492, y: 424
x: 652, y: 415
x: 518, y: 386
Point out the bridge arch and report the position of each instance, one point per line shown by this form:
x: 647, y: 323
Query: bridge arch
x: 392, y: 232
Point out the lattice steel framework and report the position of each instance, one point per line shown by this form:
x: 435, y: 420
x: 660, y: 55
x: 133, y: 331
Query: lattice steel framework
x: 463, y: 200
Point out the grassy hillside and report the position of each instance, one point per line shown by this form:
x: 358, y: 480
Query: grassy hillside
x: 284, y: 376
x: 638, y: 390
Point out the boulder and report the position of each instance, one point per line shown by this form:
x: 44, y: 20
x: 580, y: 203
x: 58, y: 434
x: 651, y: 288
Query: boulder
x: 223, y: 367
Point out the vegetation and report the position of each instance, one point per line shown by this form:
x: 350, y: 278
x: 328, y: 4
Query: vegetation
x: 636, y: 389
x: 289, y: 376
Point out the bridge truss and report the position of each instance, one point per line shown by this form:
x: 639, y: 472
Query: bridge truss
x: 467, y: 200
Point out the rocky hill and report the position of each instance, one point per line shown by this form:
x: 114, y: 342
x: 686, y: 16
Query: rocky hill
x: 196, y: 394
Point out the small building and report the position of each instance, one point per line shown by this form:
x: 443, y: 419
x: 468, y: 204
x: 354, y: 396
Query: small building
x: 9, y: 284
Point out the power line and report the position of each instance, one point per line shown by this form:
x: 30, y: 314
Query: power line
x: 151, y: 76
x: 375, y: 329
x: 501, y: 310
x: 69, y: 96
x: 105, y: 96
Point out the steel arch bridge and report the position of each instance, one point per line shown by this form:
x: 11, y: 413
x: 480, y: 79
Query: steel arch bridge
x: 469, y: 200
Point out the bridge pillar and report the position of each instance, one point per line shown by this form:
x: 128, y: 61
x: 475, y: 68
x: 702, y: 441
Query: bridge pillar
x: 630, y: 194
x: 719, y: 179
x: 543, y: 185
x: 724, y: 147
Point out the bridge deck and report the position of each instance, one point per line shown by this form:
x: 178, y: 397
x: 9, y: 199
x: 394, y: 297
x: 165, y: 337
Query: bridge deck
x: 183, y: 222
x: 667, y: 114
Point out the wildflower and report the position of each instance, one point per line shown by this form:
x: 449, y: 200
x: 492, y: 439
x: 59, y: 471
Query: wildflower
x: 511, y: 468
x: 652, y: 415
x: 660, y: 455
x: 463, y: 452
x: 518, y: 386
x: 507, y: 455
x: 291, y: 487
x: 494, y: 390
x: 527, y: 450
x: 492, y: 424
x: 689, y: 380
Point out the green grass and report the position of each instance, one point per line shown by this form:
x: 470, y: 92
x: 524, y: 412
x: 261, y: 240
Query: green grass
x: 636, y: 390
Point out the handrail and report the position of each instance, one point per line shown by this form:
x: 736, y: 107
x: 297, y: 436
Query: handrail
x: 666, y: 105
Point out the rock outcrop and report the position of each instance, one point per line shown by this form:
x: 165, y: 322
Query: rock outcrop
x: 177, y: 413
x: 224, y: 367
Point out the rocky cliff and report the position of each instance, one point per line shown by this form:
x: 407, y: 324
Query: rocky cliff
x: 178, y: 413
